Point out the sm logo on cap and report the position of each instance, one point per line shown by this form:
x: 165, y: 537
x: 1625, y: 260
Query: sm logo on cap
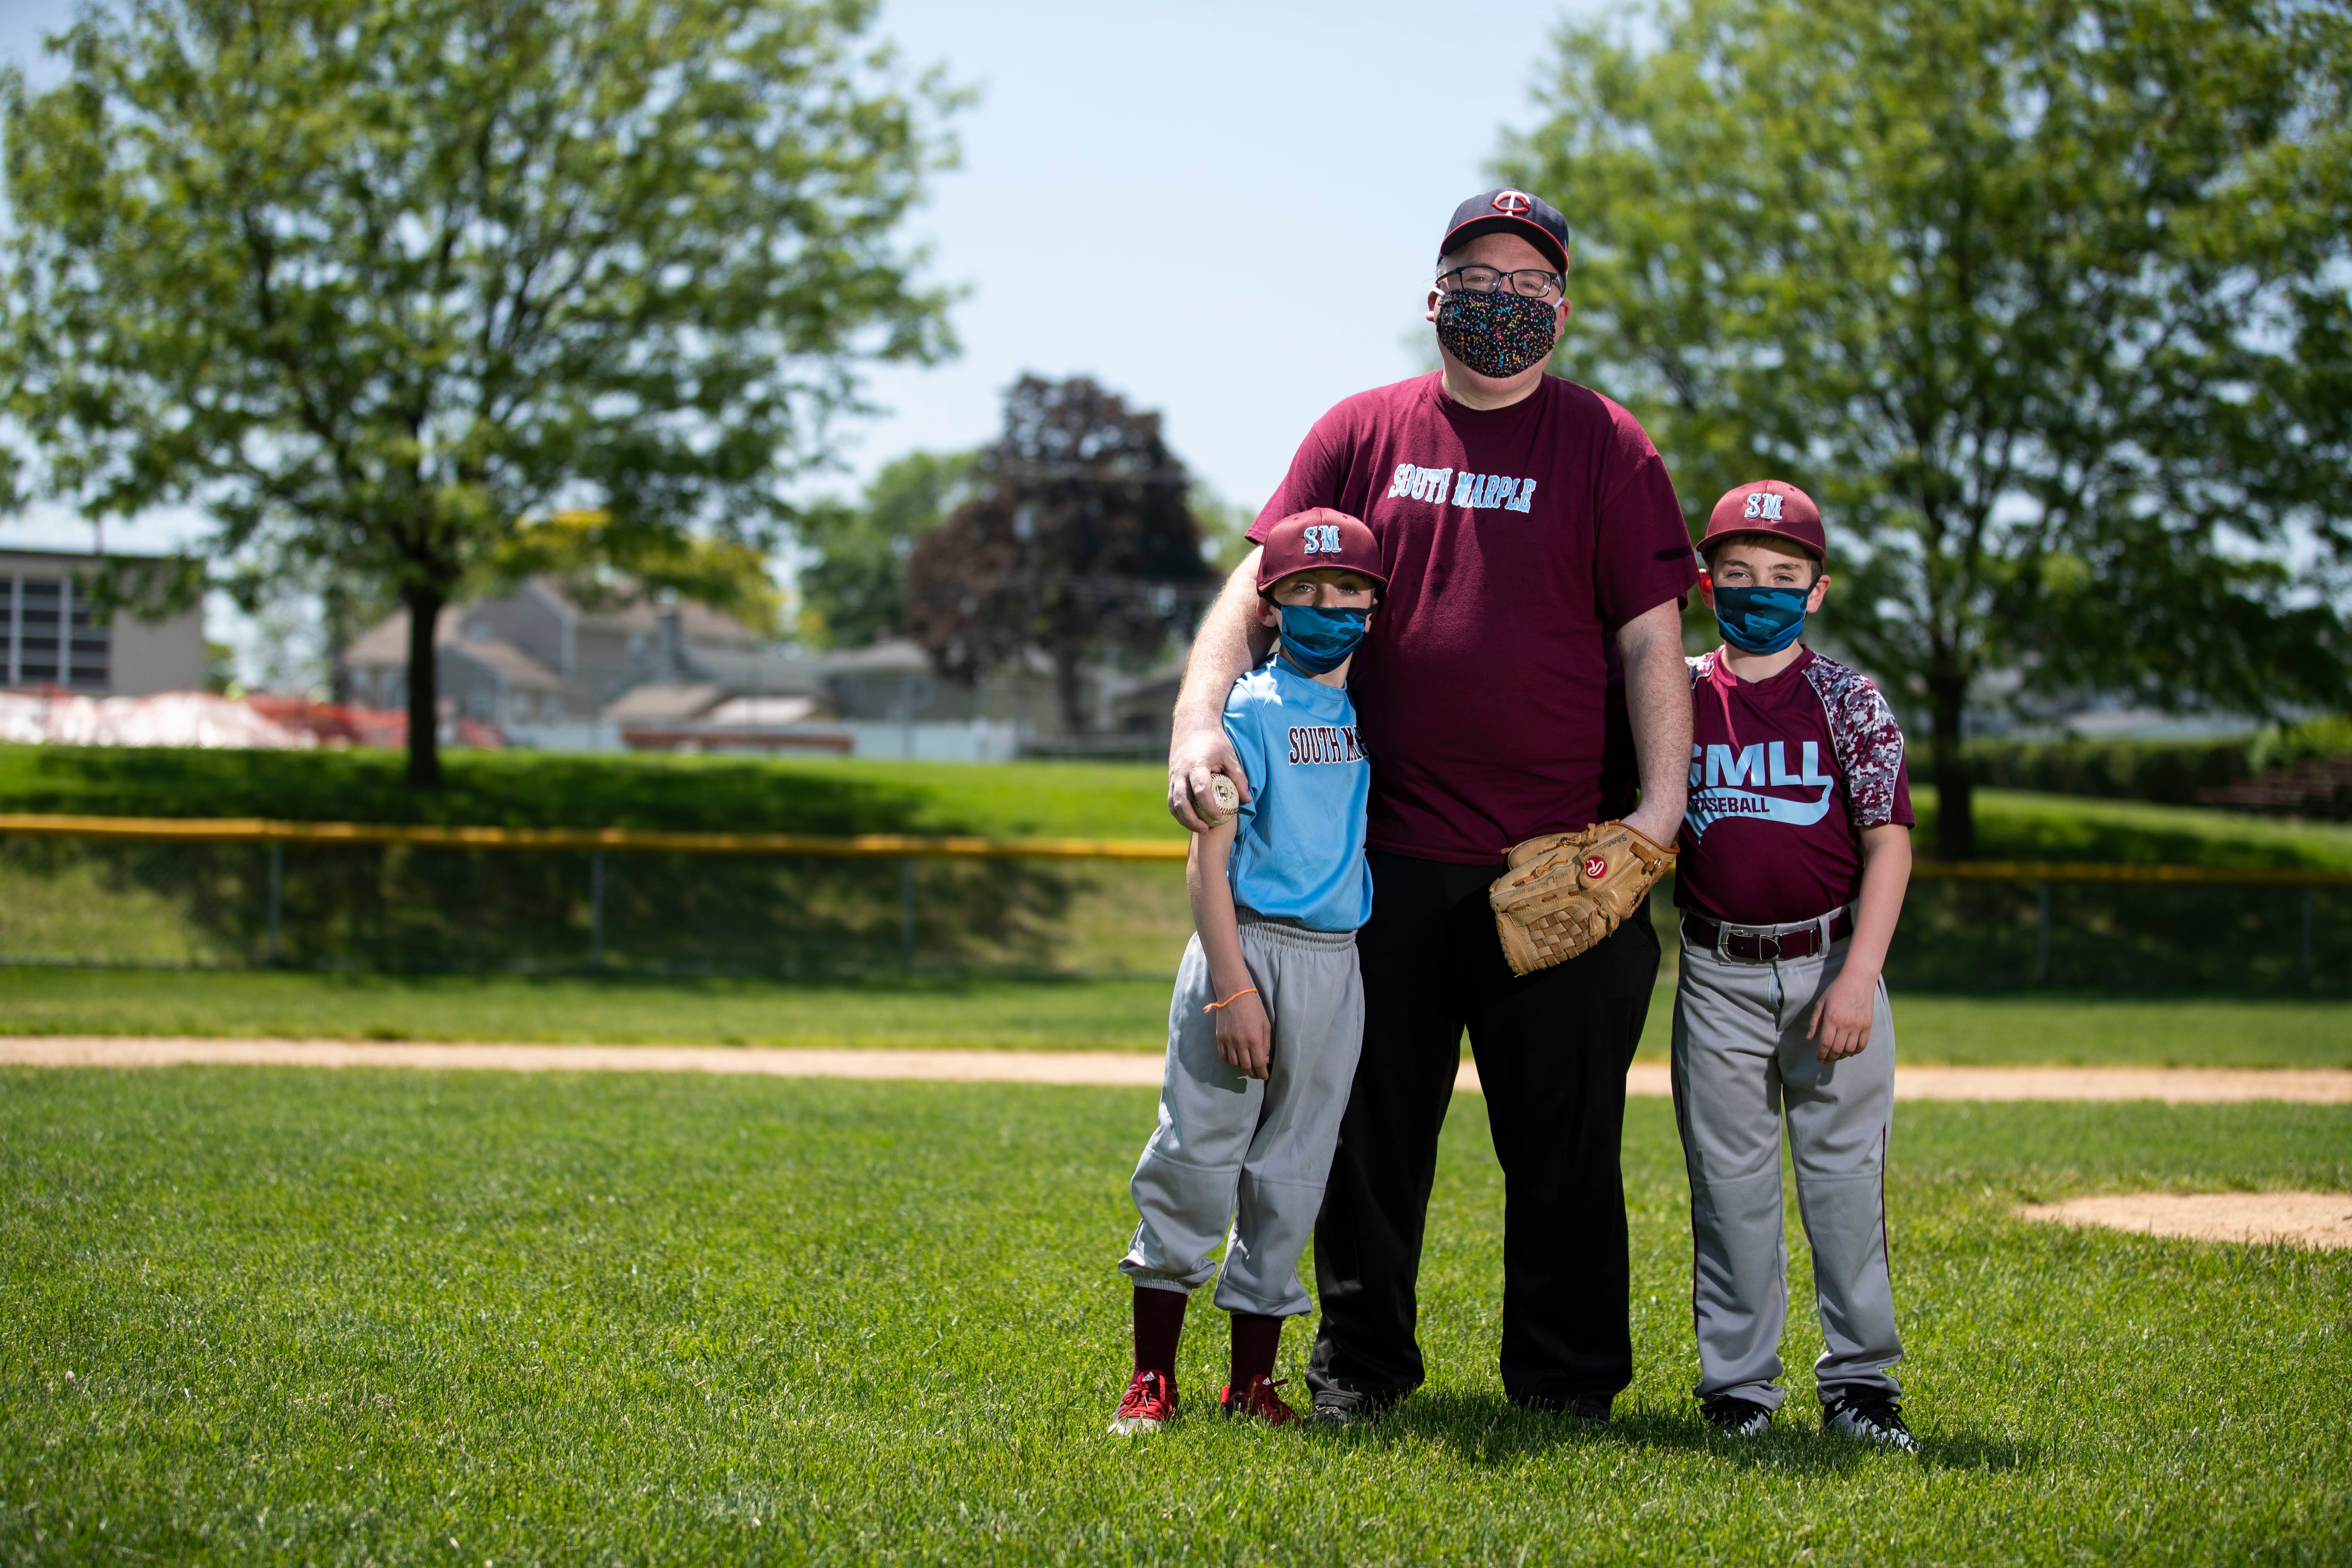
x: 1322, y: 538
x: 1512, y: 204
x: 1763, y: 504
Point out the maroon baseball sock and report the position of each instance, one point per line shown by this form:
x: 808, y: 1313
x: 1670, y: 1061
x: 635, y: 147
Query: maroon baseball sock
x: 1255, y: 1339
x: 1158, y: 1323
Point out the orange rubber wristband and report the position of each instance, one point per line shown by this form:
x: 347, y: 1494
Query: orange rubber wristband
x: 1245, y: 991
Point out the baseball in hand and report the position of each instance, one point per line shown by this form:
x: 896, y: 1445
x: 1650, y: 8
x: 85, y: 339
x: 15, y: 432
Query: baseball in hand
x: 1221, y: 791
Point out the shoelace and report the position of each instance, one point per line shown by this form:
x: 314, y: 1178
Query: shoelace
x: 1151, y: 1388
x: 1885, y: 1412
x: 1250, y: 1397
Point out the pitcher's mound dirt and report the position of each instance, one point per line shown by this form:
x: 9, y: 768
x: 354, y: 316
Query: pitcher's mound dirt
x: 2303, y: 1219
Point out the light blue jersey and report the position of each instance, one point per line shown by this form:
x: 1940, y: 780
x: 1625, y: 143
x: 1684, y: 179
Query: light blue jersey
x: 1298, y: 848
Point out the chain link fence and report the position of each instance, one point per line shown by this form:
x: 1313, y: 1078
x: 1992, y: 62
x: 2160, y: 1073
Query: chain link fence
x: 425, y: 900
x: 402, y: 907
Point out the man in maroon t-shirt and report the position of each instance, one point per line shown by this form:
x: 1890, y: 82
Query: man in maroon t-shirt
x: 1524, y: 676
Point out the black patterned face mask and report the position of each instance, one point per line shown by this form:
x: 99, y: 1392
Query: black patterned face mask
x: 1497, y: 334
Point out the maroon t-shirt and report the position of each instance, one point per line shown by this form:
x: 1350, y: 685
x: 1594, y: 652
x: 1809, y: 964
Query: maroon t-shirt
x: 1785, y: 775
x: 1516, y: 542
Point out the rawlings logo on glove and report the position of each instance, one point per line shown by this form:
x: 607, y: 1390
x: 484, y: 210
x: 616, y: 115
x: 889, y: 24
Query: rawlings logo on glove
x: 1565, y: 892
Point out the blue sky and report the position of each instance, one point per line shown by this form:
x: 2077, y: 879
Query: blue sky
x: 1225, y: 210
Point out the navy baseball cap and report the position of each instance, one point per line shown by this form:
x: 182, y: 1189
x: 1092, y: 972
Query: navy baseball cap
x: 1532, y: 218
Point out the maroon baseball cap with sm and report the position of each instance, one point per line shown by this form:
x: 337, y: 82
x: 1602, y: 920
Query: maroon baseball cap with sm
x: 1770, y: 506
x: 1532, y: 218
x: 1319, y: 537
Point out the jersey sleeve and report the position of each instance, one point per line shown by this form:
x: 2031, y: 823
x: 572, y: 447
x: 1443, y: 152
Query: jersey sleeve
x: 1644, y: 555
x: 1318, y: 470
x: 1869, y: 746
x: 1244, y: 729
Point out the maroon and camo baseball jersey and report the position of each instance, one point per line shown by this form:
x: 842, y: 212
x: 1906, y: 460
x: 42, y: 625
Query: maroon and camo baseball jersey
x: 1516, y: 542
x: 1785, y: 775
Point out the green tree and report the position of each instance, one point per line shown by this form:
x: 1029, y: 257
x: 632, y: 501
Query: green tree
x: 2044, y: 300
x: 854, y: 590
x: 1078, y: 540
x: 373, y: 281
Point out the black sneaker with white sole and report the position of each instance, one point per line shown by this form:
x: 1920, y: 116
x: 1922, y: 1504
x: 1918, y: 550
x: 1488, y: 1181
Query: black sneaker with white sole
x: 1872, y: 1415
x: 1337, y: 1407
x: 1736, y: 1418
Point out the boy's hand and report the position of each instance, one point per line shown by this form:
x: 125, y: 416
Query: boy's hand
x: 1842, y: 1017
x: 1246, y: 1036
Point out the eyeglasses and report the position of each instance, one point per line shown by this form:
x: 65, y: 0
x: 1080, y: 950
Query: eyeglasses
x: 1527, y: 283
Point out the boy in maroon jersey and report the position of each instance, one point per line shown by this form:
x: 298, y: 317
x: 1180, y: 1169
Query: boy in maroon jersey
x: 1796, y: 850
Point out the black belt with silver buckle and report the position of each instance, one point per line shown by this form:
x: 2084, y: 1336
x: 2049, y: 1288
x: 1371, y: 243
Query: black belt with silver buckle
x: 1761, y: 946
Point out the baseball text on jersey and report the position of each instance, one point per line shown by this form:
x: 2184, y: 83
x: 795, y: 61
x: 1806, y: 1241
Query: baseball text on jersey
x: 1311, y: 743
x: 1466, y: 489
x: 1786, y: 774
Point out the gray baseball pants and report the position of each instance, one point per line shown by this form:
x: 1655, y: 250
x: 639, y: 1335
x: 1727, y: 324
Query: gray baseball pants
x: 1254, y: 1151
x: 1741, y: 1063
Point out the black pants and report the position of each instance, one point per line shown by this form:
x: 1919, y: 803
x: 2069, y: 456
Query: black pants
x: 1552, y: 1050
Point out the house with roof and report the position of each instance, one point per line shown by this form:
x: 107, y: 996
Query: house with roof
x: 545, y: 667
x: 548, y: 671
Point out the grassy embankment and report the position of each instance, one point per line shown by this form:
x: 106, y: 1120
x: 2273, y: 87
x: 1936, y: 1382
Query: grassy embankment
x: 1128, y: 919
x: 268, y: 1316
x: 1016, y: 800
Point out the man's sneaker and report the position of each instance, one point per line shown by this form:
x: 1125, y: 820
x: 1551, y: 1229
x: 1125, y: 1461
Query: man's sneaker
x: 1258, y: 1400
x: 1336, y: 1407
x: 1592, y: 1412
x: 1150, y: 1404
x: 1736, y: 1418
x: 1873, y: 1414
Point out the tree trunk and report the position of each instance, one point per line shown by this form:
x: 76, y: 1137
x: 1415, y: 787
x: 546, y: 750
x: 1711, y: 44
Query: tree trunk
x: 336, y: 613
x: 423, y: 689
x: 1956, y: 822
x: 1068, y: 686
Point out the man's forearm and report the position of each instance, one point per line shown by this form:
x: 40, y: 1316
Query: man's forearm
x: 1229, y: 644
x: 1198, y: 749
x: 1657, y: 700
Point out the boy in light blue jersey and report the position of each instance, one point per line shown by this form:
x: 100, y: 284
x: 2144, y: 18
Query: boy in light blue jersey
x: 1269, y: 1013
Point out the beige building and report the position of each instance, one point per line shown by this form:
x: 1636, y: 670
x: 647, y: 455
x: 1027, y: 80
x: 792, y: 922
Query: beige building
x: 537, y: 658
x: 52, y: 634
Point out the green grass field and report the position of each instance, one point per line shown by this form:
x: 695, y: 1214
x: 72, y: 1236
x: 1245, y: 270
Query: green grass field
x: 265, y: 1317
x: 1049, y: 1015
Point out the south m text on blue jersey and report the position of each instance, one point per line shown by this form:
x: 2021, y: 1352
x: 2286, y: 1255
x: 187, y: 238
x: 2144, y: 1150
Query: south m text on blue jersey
x: 1325, y: 743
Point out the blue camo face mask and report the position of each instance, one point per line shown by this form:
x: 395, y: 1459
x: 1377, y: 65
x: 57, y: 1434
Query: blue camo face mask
x: 1315, y: 640
x: 1760, y: 620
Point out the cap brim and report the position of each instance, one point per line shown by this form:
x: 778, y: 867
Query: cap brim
x: 1379, y: 580
x: 1746, y: 528
x: 1535, y: 233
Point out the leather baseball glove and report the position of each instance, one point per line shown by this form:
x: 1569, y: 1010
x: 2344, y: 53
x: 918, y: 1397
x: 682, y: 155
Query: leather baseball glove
x: 1565, y: 892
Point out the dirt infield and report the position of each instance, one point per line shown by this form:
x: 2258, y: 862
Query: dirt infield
x: 2300, y: 1219
x: 1137, y: 1069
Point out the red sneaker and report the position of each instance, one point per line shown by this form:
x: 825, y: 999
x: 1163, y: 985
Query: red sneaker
x: 1150, y: 1404
x: 1260, y: 1399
